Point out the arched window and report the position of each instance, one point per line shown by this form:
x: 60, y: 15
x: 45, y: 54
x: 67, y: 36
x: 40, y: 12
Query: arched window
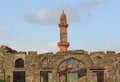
x: 19, y: 63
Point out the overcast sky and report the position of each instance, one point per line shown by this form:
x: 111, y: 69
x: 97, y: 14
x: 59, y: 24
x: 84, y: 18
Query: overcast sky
x: 32, y: 25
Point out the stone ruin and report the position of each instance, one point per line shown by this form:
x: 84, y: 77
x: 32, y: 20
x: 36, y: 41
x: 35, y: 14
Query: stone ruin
x: 33, y: 67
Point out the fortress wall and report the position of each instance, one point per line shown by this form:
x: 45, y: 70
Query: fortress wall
x: 34, y: 62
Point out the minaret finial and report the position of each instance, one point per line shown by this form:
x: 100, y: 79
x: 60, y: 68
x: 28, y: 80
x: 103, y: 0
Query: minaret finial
x: 63, y: 11
x: 63, y: 19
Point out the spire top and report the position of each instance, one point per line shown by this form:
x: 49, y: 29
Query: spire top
x: 63, y: 11
x: 63, y: 19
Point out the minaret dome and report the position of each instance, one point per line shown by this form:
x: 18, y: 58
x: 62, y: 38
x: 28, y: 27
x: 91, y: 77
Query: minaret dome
x: 63, y: 19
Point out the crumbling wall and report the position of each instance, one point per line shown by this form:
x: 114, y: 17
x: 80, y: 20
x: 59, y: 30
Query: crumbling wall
x: 106, y: 62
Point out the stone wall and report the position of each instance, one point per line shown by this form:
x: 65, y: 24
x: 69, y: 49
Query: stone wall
x: 38, y: 66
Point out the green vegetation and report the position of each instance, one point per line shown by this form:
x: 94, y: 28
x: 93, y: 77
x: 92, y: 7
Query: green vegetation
x: 72, y: 78
x: 7, y: 78
x: 2, y: 80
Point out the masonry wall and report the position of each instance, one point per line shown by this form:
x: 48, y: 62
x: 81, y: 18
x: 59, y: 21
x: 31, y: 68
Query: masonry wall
x: 38, y: 66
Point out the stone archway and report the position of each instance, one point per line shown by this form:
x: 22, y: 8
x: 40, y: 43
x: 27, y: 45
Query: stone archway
x: 80, y: 57
x: 76, y: 74
x: 83, y: 62
x: 19, y: 63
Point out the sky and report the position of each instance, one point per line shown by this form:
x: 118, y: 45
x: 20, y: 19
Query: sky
x: 32, y: 25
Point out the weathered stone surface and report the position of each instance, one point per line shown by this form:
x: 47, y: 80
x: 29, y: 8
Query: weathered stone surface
x: 37, y: 67
x: 6, y: 49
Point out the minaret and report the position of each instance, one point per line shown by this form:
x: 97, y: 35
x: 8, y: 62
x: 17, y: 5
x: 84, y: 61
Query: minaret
x: 63, y: 44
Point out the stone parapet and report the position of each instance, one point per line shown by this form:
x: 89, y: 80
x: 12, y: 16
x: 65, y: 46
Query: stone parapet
x: 6, y: 49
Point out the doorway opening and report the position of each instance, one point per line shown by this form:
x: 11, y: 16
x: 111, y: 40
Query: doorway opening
x: 19, y: 76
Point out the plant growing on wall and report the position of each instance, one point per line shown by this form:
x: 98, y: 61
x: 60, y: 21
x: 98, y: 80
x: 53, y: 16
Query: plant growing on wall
x: 7, y: 79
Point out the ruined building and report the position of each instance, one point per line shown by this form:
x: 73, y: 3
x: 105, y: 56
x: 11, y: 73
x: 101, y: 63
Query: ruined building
x: 61, y: 66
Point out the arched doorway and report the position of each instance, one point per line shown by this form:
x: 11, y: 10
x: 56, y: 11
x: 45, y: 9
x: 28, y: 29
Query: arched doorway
x: 19, y: 76
x: 72, y: 70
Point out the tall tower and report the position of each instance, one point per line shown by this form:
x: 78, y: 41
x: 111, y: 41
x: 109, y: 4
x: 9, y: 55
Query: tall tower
x: 63, y: 44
